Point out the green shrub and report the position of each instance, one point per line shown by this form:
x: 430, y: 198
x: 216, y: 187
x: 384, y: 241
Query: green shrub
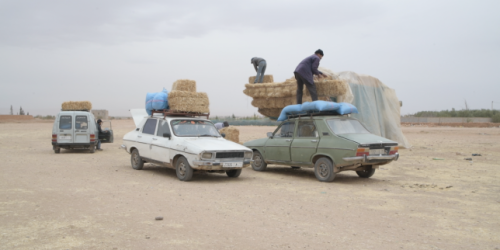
x: 496, y: 118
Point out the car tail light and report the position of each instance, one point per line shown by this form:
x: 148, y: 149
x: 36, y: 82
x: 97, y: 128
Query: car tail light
x: 363, y: 151
x: 92, y: 138
x: 393, y: 150
x: 54, y: 137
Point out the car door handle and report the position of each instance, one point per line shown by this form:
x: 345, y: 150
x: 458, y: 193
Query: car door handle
x: 289, y: 140
x: 139, y: 136
x: 314, y: 140
x: 155, y: 139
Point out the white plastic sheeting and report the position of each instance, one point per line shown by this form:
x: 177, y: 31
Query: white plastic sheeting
x: 378, y: 105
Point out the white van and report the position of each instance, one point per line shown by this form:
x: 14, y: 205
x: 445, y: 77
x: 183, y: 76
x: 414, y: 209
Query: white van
x: 77, y: 130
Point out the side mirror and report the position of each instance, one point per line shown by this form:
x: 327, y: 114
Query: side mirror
x: 223, y: 135
x: 167, y: 135
x: 270, y: 135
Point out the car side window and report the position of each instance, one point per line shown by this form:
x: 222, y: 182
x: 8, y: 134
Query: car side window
x: 163, y: 128
x: 307, y: 129
x: 65, y: 122
x: 150, y: 127
x: 286, y: 130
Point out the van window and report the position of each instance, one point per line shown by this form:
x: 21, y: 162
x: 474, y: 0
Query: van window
x: 81, y: 122
x: 65, y: 122
x: 149, y: 127
x: 163, y: 128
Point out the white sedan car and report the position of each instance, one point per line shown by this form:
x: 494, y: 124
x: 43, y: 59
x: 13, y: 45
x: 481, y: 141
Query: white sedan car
x: 187, y: 144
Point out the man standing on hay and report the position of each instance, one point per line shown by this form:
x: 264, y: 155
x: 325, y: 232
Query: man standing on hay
x: 304, y: 75
x: 260, y: 67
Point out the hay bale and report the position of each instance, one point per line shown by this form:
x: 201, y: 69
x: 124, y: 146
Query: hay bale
x: 288, y: 88
x: 184, y: 101
x: 265, y: 79
x: 271, y: 113
x: 71, y: 106
x: 184, y: 85
x: 232, y: 134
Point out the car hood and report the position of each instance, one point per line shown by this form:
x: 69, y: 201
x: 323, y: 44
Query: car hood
x: 256, y: 143
x: 366, y: 138
x: 199, y: 144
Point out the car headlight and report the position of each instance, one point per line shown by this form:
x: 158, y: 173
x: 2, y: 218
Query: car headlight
x: 206, y: 156
x: 248, y: 155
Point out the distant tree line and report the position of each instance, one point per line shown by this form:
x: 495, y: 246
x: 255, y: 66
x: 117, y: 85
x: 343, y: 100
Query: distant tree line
x: 21, y: 111
x: 494, y: 114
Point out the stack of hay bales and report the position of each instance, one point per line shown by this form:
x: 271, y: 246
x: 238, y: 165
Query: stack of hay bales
x: 232, y: 134
x: 75, y: 106
x: 265, y: 79
x: 184, y: 98
x: 271, y: 98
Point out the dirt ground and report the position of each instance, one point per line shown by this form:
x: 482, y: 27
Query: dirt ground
x: 78, y: 200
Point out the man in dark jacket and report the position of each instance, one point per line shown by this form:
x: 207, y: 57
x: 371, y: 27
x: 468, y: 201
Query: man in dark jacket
x: 100, y: 132
x: 304, y: 75
x: 260, y: 67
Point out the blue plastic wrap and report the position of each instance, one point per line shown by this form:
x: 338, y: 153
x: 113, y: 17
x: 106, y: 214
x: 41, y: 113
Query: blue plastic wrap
x: 320, y: 106
x: 290, y: 110
x: 149, y: 102
x: 160, y: 100
x: 347, y: 108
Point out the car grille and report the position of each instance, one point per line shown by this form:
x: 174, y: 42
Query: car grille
x: 229, y: 155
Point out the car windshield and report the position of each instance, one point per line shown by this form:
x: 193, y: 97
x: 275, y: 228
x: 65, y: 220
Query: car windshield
x: 194, y: 128
x: 347, y: 126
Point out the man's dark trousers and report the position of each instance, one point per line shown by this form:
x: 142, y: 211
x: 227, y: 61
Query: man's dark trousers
x: 300, y: 86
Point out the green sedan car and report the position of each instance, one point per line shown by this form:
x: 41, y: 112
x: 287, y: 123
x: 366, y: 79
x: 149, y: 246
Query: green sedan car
x: 328, y: 143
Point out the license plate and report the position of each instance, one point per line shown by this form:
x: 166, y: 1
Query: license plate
x: 377, y: 151
x: 232, y: 164
x: 65, y: 137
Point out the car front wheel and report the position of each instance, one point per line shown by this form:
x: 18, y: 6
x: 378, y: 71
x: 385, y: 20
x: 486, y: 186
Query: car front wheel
x: 183, y: 169
x: 323, y: 169
x: 258, y: 163
x: 367, y: 173
x: 233, y: 173
x: 136, y: 160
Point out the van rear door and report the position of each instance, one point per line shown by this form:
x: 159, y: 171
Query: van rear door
x: 82, y: 134
x: 65, y: 129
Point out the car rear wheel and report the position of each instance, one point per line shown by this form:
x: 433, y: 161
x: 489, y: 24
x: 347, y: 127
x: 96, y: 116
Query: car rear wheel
x: 233, y: 173
x: 367, y: 173
x: 258, y: 163
x: 323, y: 169
x: 92, y: 149
x: 136, y: 160
x: 183, y: 169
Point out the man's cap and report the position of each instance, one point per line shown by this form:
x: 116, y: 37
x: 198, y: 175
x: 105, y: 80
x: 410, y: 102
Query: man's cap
x: 251, y: 61
x: 226, y: 124
x: 319, y: 51
x: 99, y: 120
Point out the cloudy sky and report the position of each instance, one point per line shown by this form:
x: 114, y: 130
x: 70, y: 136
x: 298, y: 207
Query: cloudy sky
x: 435, y: 54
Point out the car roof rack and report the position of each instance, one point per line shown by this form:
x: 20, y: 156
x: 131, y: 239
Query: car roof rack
x: 84, y: 110
x: 168, y: 112
x: 314, y: 113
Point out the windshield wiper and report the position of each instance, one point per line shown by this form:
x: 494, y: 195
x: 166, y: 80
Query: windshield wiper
x: 205, y: 135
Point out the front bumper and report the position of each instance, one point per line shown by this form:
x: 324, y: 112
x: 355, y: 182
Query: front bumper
x: 369, y: 158
x: 213, y: 165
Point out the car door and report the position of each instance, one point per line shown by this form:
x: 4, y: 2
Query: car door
x: 278, y: 147
x: 65, y: 129
x: 160, y: 146
x: 146, y: 138
x: 305, y: 142
x: 82, y: 134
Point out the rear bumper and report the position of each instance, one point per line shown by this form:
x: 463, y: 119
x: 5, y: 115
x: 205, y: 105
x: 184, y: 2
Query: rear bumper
x: 369, y: 158
x: 73, y: 145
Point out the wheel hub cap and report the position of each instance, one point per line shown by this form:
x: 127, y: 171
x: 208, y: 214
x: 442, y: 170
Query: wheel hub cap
x: 323, y: 170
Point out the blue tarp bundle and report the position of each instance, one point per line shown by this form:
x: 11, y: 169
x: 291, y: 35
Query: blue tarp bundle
x: 342, y: 108
x: 156, y: 101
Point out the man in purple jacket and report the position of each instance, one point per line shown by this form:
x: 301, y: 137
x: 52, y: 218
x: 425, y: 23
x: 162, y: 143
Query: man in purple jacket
x: 304, y: 75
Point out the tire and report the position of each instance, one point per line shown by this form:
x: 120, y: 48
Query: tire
x: 258, y: 163
x: 136, y: 160
x: 57, y: 150
x: 92, y: 149
x: 367, y: 173
x: 323, y: 170
x: 295, y: 167
x: 233, y: 173
x: 183, y: 169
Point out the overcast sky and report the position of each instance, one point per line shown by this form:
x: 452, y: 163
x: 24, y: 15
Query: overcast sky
x: 435, y: 54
